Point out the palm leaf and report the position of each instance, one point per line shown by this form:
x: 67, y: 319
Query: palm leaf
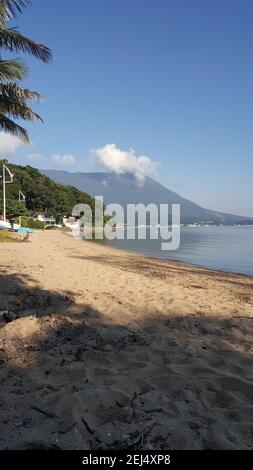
x: 12, y: 40
x: 9, y: 8
x: 13, y: 6
x: 17, y: 110
x: 8, y: 125
x: 15, y: 92
x: 12, y: 70
x: 13, y: 98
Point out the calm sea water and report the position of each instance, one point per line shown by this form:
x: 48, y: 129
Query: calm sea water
x: 224, y: 248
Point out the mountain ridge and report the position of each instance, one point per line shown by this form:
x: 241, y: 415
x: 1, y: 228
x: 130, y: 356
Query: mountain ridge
x: 125, y: 188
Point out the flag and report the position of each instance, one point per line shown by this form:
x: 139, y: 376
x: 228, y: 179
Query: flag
x: 21, y: 197
x: 10, y: 174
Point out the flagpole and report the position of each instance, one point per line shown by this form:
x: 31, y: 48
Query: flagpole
x: 19, y: 199
x: 4, y: 197
x: 4, y: 189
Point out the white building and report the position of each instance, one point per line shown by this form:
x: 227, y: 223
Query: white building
x: 42, y: 217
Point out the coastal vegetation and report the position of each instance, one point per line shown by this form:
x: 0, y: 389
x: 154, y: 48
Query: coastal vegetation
x: 29, y: 222
x: 42, y: 194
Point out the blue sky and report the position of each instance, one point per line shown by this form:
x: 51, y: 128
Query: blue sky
x: 171, y: 79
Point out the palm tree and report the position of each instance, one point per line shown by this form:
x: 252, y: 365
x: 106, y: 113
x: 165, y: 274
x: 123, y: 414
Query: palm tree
x: 14, y: 100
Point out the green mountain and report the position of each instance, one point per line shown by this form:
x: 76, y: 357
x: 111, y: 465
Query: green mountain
x: 42, y: 193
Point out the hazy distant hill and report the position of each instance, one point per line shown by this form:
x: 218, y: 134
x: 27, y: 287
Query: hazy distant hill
x: 125, y: 189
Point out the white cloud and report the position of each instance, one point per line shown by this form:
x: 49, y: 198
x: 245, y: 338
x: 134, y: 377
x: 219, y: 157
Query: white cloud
x: 125, y: 161
x: 64, y: 160
x: 34, y: 157
x: 8, y: 144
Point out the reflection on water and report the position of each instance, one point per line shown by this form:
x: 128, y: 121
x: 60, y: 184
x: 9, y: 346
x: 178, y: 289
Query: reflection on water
x: 224, y: 248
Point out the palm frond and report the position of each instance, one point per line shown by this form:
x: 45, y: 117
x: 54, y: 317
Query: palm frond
x: 10, y: 126
x: 10, y: 8
x: 17, y: 110
x: 12, y: 40
x: 15, y: 92
x: 13, y: 6
x: 12, y: 70
x: 13, y: 98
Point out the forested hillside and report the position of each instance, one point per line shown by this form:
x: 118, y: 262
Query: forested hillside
x: 42, y: 193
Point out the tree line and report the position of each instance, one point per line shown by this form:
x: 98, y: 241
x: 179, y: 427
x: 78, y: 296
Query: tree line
x: 42, y: 194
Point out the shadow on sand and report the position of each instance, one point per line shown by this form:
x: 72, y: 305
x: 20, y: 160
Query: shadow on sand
x: 72, y: 380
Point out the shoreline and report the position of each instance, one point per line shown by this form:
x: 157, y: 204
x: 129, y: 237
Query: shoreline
x: 183, y: 263
x: 111, y: 350
x: 168, y: 260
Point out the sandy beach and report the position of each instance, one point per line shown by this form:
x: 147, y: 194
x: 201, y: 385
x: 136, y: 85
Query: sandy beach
x: 113, y: 350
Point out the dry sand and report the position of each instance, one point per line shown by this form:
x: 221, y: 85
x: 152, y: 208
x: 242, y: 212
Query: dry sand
x: 114, y: 350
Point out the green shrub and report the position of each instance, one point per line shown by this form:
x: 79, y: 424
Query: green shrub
x: 13, y: 208
x: 30, y: 223
x: 52, y: 227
